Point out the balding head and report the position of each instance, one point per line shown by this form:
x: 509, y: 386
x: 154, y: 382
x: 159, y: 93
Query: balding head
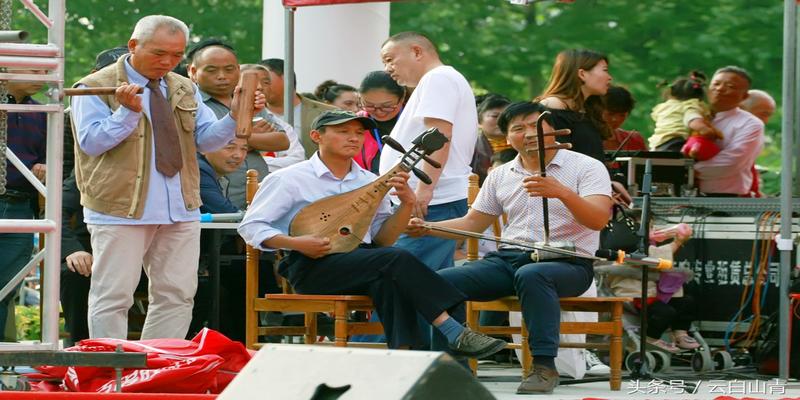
x: 412, y: 38
x: 760, y: 104
x: 407, y: 56
x: 216, y: 71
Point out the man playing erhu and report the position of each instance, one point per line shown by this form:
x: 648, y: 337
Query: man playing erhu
x: 579, y: 192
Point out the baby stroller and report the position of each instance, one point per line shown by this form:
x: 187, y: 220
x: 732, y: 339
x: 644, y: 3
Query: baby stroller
x: 611, y: 281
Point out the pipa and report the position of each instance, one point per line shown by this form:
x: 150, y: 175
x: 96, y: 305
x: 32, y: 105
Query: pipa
x: 345, y: 218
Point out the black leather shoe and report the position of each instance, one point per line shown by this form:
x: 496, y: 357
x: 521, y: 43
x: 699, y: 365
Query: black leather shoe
x: 541, y: 380
x: 476, y: 345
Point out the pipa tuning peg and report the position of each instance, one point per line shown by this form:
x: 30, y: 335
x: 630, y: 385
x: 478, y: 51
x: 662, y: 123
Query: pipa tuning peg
x: 422, y: 176
x: 393, y: 143
x: 432, y: 162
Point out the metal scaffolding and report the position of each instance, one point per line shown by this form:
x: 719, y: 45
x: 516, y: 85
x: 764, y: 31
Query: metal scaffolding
x: 49, y: 57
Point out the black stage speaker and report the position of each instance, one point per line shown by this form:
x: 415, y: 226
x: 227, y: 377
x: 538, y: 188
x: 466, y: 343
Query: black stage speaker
x: 290, y: 372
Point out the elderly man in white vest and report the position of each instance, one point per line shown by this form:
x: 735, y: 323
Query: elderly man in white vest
x: 136, y: 168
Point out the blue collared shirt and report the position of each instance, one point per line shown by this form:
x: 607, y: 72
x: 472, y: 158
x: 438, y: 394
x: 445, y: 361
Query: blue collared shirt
x: 99, y: 130
x: 283, y: 193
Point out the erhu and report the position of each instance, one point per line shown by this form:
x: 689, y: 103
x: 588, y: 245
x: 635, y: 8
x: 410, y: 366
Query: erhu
x: 545, y: 249
x: 540, y: 149
x: 345, y: 218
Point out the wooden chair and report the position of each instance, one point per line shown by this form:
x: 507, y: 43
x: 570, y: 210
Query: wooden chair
x: 338, y: 306
x: 612, y: 305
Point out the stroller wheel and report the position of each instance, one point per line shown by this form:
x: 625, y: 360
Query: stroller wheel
x: 723, y: 360
x: 633, y: 360
x: 701, y: 362
x: 663, y: 361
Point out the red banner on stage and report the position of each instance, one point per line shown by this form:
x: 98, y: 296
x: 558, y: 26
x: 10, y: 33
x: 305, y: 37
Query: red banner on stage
x: 303, y: 3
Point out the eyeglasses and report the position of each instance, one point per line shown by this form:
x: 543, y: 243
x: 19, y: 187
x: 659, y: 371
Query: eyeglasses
x: 381, y: 107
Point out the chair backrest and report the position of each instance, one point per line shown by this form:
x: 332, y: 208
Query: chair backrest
x: 251, y: 270
x: 472, y: 193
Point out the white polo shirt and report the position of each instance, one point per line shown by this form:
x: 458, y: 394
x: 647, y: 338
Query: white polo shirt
x: 502, y: 192
x: 445, y: 94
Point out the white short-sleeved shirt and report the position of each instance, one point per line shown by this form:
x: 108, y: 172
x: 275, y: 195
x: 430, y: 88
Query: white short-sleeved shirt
x: 502, y: 192
x: 445, y: 94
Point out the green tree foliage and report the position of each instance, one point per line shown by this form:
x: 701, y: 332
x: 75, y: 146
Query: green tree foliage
x: 500, y: 47
x: 95, y: 25
x: 510, y: 49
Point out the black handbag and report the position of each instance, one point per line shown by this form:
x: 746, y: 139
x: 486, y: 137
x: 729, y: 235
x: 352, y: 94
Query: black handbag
x: 621, y: 232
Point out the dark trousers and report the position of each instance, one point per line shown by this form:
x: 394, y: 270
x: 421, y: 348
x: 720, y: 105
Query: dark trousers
x: 15, y: 248
x: 75, y: 303
x: 232, y: 301
x: 675, y: 314
x: 400, y: 286
x: 538, y: 286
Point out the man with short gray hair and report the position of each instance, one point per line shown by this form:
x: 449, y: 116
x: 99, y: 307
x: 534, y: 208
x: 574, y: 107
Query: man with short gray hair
x: 136, y: 168
x: 728, y: 174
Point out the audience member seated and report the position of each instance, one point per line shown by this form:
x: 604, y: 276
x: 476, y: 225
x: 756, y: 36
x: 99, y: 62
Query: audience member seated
x: 304, y: 110
x: 339, y: 95
x: 729, y: 173
x: 215, y: 69
x: 490, y: 139
x: 381, y: 99
x: 215, y: 169
x: 619, y: 104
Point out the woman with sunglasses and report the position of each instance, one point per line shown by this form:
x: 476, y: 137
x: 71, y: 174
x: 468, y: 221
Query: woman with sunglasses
x: 382, y: 100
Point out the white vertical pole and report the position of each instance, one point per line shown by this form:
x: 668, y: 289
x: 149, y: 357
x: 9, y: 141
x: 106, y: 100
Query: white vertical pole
x: 55, y: 147
x: 787, y: 136
x: 288, y: 67
x: 345, y: 38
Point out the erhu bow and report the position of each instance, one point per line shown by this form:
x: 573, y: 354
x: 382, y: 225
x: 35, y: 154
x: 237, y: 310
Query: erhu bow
x: 345, y: 218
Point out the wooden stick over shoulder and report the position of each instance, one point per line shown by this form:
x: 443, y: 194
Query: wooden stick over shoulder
x: 94, y: 91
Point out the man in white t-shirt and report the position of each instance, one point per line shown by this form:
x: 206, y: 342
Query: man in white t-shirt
x: 442, y: 99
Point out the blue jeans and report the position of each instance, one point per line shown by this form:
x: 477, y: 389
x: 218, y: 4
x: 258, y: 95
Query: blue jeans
x: 435, y: 252
x: 538, y: 286
x: 16, y: 249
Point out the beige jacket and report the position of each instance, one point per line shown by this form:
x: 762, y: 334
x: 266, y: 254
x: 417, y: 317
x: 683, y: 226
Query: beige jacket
x: 116, y: 182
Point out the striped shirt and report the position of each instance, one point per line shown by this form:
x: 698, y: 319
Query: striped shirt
x: 502, y: 192
x: 27, y: 138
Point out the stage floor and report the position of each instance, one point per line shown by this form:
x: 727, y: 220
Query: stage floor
x: 502, y: 381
